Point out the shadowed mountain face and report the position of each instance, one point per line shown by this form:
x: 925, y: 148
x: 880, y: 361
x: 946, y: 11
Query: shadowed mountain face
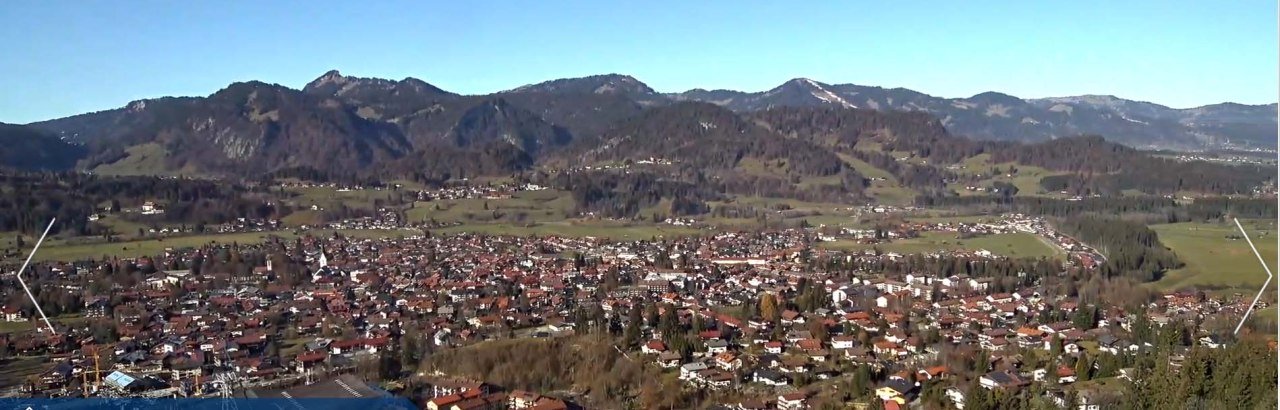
x: 29, y: 149
x: 706, y: 136
x: 497, y: 120
x: 346, y: 124
x: 244, y: 129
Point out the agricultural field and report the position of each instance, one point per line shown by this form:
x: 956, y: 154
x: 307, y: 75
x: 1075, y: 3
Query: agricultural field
x: 1215, y: 257
x: 1017, y: 245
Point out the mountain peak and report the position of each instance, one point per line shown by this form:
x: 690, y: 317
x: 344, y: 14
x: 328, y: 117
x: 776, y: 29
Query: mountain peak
x: 805, y: 92
x: 993, y: 97
x: 331, y: 74
x: 334, y: 84
x: 803, y: 81
x: 422, y: 87
x: 328, y: 83
x: 619, y: 84
x: 329, y: 77
x: 622, y: 84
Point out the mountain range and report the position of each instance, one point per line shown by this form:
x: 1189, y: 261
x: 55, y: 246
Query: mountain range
x: 996, y: 116
x: 338, y: 123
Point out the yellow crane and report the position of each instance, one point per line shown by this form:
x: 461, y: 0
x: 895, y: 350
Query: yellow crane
x: 97, y: 373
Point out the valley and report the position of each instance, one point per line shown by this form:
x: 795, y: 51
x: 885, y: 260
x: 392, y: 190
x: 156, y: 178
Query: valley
x: 814, y: 244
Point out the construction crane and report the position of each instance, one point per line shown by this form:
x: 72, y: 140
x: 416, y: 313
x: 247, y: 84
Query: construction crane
x: 97, y: 373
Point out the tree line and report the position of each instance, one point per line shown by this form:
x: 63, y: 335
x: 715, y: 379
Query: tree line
x: 1131, y: 248
x: 32, y: 199
x: 1152, y: 209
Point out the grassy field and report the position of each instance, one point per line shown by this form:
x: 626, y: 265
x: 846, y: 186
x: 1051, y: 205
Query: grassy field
x: 1025, y: 177
x: 57, y: 252
x: 818, y: 182
x: 1213, y: 260
x: 127, y: 229
x: 121, y: 226
x: 144, y: 159
x: 72, y: 319
x: 539, y: 206
x: 953, y: 218
x: 290, y: 347
x: 11, y: 327
x: 771, y: 203
x: 8, y: 243
x: 328, y: 197
x: 891, y: 195
x: 865, y: 169
x: 758, y: 167
x: 303, y: 218
x: 1018, y: 245
x: 832, y: 214
x: 1264, y: 319
x: 832, y: 220
x: 139, y: 158
x: 885, y: 187
x: 15, y: 371
x: 1113, y: 384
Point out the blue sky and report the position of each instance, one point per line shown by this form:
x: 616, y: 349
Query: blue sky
x: 66, y: 57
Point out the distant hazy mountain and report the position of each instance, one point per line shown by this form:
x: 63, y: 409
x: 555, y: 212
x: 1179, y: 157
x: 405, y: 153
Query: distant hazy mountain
x: 800, y: 92
x: 997, y: 116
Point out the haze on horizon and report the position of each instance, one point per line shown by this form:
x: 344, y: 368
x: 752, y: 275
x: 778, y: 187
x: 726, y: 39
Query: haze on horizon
x: 66, y: 58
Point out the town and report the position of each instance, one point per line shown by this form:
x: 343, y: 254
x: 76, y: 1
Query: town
x: 766, y: 317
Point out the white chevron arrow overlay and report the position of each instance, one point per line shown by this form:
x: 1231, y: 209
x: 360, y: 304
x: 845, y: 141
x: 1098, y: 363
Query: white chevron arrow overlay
x: 1264, y: 266
x: 24, y: 283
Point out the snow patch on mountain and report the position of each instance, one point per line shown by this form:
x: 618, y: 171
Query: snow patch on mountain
x: 826, y: 95
x: 1123, y: 117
